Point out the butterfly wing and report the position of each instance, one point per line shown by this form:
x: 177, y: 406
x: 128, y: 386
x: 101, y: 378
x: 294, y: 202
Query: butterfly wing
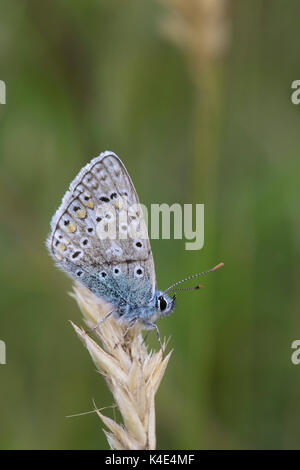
x: 98, y: 234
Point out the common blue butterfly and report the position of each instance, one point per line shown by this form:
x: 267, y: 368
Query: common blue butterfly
x: 98, y: 237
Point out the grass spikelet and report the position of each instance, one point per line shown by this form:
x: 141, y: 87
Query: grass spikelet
x: 131, y: 372
x: 200, y: 27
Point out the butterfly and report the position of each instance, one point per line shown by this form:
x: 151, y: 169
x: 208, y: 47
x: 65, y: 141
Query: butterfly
x: 99, y: 238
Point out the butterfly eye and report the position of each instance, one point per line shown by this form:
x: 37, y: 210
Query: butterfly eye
x: 162, y: 303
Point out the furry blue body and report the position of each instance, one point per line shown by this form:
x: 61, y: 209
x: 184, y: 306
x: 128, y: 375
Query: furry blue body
x: 132, y: 298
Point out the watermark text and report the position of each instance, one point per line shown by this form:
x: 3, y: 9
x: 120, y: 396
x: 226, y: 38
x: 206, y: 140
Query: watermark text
x: 2, y: 352
x: 2, y: 92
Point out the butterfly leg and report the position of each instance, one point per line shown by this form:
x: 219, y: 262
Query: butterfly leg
x: 131, y: 325
x: 152, y: 326
x: 102, y: 320
x: 145, y: 337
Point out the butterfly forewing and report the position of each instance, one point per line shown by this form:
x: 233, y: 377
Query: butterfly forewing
x: 99, y: 232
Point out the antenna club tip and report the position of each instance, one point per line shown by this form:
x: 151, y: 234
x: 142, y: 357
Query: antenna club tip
x: 218, y: 266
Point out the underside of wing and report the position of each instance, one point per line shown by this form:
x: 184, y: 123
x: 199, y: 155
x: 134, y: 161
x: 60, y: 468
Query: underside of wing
x: 99, y: 226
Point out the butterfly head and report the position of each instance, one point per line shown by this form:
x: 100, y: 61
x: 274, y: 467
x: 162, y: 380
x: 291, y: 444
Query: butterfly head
x: 165, y: 304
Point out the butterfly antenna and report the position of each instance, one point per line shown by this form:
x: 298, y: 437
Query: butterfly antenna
x: 188, y: 288
x: 192, y: 277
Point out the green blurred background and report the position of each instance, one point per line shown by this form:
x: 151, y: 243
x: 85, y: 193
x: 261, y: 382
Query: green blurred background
x: 194, y: 96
